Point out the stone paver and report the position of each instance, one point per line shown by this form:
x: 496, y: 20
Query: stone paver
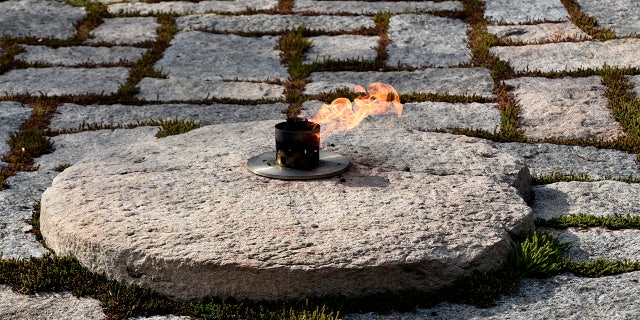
x: 47, y: 306
x: 536, y: 33
x: 206, y: 56
x: 152, y: 89
x: 600, y: 243
x: 62, y: 81
x: 362, y: 7
x: 619, y: 15
x: 525, y: 11
x: 426, y: 40
x: 342, y: 47
x: 71, y: 56
x: 567, y: 108
x: 186, y: 7
x: 571, y: 56
x: 125, y: 31
x: 32, y: 18
x: 12, y: 115
x: 600, y: 198
x: 455, y: 81
x: 265, y: 23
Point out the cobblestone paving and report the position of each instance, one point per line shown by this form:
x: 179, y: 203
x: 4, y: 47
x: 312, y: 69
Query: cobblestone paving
x: 223, y: 65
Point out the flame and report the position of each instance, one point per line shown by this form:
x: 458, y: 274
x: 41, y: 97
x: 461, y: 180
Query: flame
x: 342, y: 114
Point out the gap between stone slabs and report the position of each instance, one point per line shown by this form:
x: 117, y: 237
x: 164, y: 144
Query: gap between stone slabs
x: 182, y: 215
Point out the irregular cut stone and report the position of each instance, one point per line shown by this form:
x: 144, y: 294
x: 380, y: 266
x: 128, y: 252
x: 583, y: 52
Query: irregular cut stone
x: 152, y: 89
x: 62, y: 80
x: 185, y: 7
x: 71, y: 148
x: 600, y: 198
x: 525, y: 11
x: 369, y: 7
x: 206, y: 56
x: 272, y: 23
x: 619, y: 15
x: 561, y: 297
x: 71, y: 56
x: 601, y: 243
x: 47, y: 306
x: 456, y: 81
x: 125, y: 30
x: 12, y: 115
x: 567, y: 108
x: 171, y: 214
x: 342, y: 47
x: 426, y: 40
x: 33, y: 18
x: 543, y: 32
x: 545, y: 158
x: 571, y: 56
x: 72, y: 116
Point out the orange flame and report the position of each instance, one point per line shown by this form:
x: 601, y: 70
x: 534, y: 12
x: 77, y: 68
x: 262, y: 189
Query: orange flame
x: 343, y: 115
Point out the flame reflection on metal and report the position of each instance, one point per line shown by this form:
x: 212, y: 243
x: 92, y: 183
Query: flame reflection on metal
x: 265, y: 165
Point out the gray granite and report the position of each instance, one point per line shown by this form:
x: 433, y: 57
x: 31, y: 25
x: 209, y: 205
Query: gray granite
x: 571, y: 56
x: 206, y: 56
x: 72, y: 116
x: 62, y: 81
x: 456, y: 81
x: 125, y: 31
x: 187, y: 7
x: 601, y: 243
x: 261, y: 23
x: 545, y: 158
x: 567, y: 108
x: 539, y: 33
x: 72, y: 56
x: 619, y: 15
x: 635, y: 80
x: 370, y: 7
x: 152, y: 89
x: 525, y: 11
x: 342, y: 47
x: 15, y: 306
x: 32, y: 18
x: 600, y: 198
x: 563, y: 296
x: 12, y: 115
x: 426, y: 40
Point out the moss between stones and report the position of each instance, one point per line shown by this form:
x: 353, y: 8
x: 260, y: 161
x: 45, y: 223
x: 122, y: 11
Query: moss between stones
x: 581, y: 220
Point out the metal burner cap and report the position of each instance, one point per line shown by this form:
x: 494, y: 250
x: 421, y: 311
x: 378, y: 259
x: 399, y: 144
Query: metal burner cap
x: 265, y: 165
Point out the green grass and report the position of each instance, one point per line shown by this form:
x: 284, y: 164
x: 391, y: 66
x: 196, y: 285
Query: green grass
x: 587, y: 23
x: 581, y: 220
x: 174, y: 127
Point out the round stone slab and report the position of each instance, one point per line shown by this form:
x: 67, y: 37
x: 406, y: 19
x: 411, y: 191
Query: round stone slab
x: 184, y: 216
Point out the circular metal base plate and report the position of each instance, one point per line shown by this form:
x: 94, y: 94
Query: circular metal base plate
x: 265, y: 165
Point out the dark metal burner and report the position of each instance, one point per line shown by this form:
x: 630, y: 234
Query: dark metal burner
x: 298, y: 155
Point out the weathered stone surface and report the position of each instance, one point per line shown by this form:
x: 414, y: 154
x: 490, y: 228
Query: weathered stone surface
x: 561, y: 297
x: 14, y: 306
x: 567, y: 108
x: 535, y: 33
x: 635, y: 80
x: 71, y: 56
x: 122, y: 212
x: 369, y: 7
x: 71, y: 148
x: 342, y: 47
x: 600, y: 198
x: 206, y: 56
x: 12, y: 115
x: 125, y: 30
x: 524, y: 11
x: 426, y: 40
x: 185, y: 7
x: 571, y: 56
x: 152, y: 89
x: 456, y: 81
x: 545, y: 158
x: 72, y: 116
x: 600, y: 243
x: 63, y: 80
x: 619, y: 15
x: 33, y: 18
x: 272, y: 23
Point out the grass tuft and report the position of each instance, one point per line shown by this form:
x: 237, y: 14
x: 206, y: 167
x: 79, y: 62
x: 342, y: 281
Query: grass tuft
x: 581, y: 220
x: 174, y: 127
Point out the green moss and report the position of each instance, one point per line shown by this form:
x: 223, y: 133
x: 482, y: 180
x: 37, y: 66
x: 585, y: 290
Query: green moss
x: 603, y: 267
x: 582, y: 220
x: 173, y: 127
x: 587, y: 23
